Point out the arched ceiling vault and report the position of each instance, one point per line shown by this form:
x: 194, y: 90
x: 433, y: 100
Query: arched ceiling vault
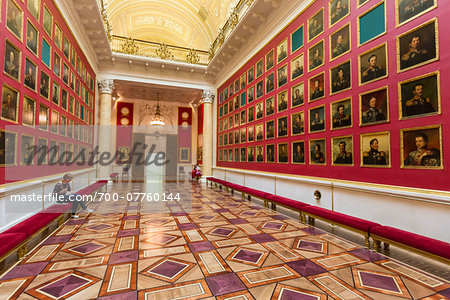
x: 190, y: 24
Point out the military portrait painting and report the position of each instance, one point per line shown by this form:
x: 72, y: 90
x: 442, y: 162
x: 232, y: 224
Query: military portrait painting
x: 317, y: 152
x: 422, y: 147
x: 12, y: 61
x: 373, y: 65
x: 375, y: 149
x: 342, y: 151
x: 339, y: 9
x: 297, y: 66
x: 341, y: 114
x: 298, y: 152
x: 8, y: 141
x: 317, y: 87
x: 315, y: 56
x: 408, y: 10
x: 374, y: 108
x: 340, y: 77
x: 340, y: 42
x: 315, y: 25
x: 10, y: 103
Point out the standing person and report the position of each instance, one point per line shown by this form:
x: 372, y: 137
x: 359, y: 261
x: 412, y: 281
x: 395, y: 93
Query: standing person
x: 63, y: 188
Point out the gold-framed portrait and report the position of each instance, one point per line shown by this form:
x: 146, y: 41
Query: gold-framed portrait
x: 243, y: 155
x: 259, y: 89
x: 342, y: 151
x: 317, y: 152
x: 259, y: 110
x: 298, y: 94
x: 259, y: 68
x: 282, y: 102
x: 184, y: 154
x: 340, y: 78
x: 32, y: 38
x: 376, y: 149
x: 338, y: 9
x: 43, y: 144
x: 298, y: 152
x: 407, y: 10
x: 13, y: 59
x: 10, y: 103
x: 298, y: 123
x: 270, y: 129
x: 283, y: 153
x: 316, y: 56
x: 297, y: 66
x: 340, y: 42
x: 48, y: 21
x: 373, y: 64
x: 8, y: 148
x: 251, y: 94
x: 269, y: 61
x: 54, y: 122
x: 341, y: 114
x: 259, y: 132
x: 374, y: 107
x: 29, y: 111
x: 250, y: 114
x: 250, y: 74
x: 26, y: 150
x: 315, y: 25
x: 236, y: 155
x: 43, y: 117
x: 421, y: 147
x: 282, y: 76
x: 282, y: 49
x: 282, y: 127
x: 260, y: 153
x: 58, y: 36
x: 270, y: 106
x: 243, y: 135
x: 250, y: 134
x: 14, y: 19
x: 317, y: 119
x: 34, y: 7
x: 242, y: 81
x: 270, y: 153
x: 250, y: 154
x: 270, y: 83
x: 317, y: 87
x: 30, y: 77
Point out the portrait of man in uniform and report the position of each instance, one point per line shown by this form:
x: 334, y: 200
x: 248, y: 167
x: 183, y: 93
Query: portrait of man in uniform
x: 338, y: 10
x: 420, y: 96
x: 26, y: 150
x: 317, y: 152
x: 282, y: 101
x: 270, y: 153
x: 421, y: 147
x: 259, y: 132
x: 316, y: 119
x: 316, y: 87
x: 66, y: 48
x: 315, y: 56
x: 7, y: 148
x: 43, y: 117
x: 342, y: 150
x: 12, y: 61
x: 418, y: 46
x: 259, y: 68
x: 283, y: 155
x: 282, y: 76
x: 340, y: 42
x: 269, y: 61
x: 251, y: 94
x: 374, y: 107
x: 260, y: 153
x: 315, y: 25
x: 342, y: 113
x: 48, y: 21
x: 243, y: 134
x: 250, y: 154
x: 9, y: 103
x: 409, y: 9
x: 298, y: 152
x: 14, y: 19
x: 32, y: 38
x: 375, y: 149
x: 236, y: 155
x: 270, y: 130
x: 250, y: 134
x: 283, y: 126
x: 297, y: 67
x: 259, y: 89
x: 298, y: 123
x: 30, y: 75
x: 251, y: 114
x: 373, y: 64
x: 33, y: 7
x: 340, y: 78
x: 270, y: 109
x: 243, y: 155
x: 282, y: 51
x: 297, y: 94
x: 259, y: 110
x: 270, y: 85
x: 28, y: 115
x: 56, y: 64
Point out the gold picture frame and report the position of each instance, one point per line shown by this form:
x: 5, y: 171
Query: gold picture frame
x: 425, y: 137
x: 372, y: 157
x: 342, y: 157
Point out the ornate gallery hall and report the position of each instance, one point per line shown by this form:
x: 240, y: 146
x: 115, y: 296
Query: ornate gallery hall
x: 232, y: 149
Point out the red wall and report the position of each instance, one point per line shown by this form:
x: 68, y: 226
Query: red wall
x: 17, y: 173
x: 393, y: 175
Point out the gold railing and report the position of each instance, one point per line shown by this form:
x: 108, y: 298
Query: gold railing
x: 162, y: 51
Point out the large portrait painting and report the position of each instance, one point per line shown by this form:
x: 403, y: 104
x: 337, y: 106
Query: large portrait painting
x: 341, y: 114
x: 317, y: 119
x: 342, y: 150
x: 374, y: 107
x: 340, y: 42
x: 283, y: 153
x: 14, y: 19
x: 373, y: 64
x: 422, y: 147
x: 315, y: 25
x: 340, y: 77
x: 376, y: 149
x: 339, y: 9
x: 13, y: 58
x: 315, y: 56
x: 298, y: 152
x: 408, y: 10
x: 8, y: 142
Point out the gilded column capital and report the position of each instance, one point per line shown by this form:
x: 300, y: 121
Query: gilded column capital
x: 208, y: 96
x: 106, y: 86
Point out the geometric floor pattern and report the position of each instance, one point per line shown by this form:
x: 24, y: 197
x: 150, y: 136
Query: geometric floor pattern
x: 221, y: 248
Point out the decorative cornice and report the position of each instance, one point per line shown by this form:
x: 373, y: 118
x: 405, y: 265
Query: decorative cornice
x: 106, y: 86
x: 208, y: 96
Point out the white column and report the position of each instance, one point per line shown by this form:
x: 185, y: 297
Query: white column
x: 208, y: 98
x: 105, y: 89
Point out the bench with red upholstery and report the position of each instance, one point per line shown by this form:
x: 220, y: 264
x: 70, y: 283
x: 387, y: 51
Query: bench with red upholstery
x: 9, y: 241
x: 114, y: 176
x: 424, y: 245
x: 286, y: 202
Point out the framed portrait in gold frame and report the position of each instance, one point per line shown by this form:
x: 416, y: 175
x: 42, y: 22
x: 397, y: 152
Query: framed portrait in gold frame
x: 340, y: 78
x: 340, y: 42
x: 407, y: 10
x: 421, y: 147
x: 342, y: 151
x: 341, y: 114
x: 338, y: 9
x: 315, y: 25
x: 298, y: 152
x: 374, y: 107
x: 283, y: 153
x: 373, y: 64
x: 317, y: 152
x: 376, y: 149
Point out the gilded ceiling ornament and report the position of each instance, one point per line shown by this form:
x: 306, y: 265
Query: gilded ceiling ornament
x: 211, y: 52
x: 163, y: 52
x: 249, y: 2
x: 221, y: 37
x: 234, y: 18
x: 192, y: 57
x: 130, y: 46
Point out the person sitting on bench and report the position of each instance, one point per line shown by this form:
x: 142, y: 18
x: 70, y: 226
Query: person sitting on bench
x: 63, y: 188
x: 196, y: 172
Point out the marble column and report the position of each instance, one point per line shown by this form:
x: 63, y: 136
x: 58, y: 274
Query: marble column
x: 208, y: 98
x: 105, y: 89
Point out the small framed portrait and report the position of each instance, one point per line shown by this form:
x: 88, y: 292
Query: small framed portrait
x: 315, y: 25
x: 282, y: 50
x: 230, y: 106
x: 374, y: 107
x: 225, y: 109
x: 342, y: 151
x: 44, y: 87
x: 236, y: 154
x: 298, y: 152
x: 421, y: 147
x: 368, y: 29
x: 270, y: 106
x: 236, y: 137
x: 243, y: 155
x: 30, y: 77
x: 225, y: 139
x: 243, y: 135
x: 317, y: 152
x: 225, y: 93
x: 298, y: 123
x: 243, y: 81
x: 297, y: 39
x: 14, y: 19
x: 260, y: 153
x: 80, y: 67
x: 269, y: 61
x: 259, y: 132
x: 418, y: 46
x: 54, y: 121
x: 13, y: 57
x: 56, y: 93
x: 56, y: 64
x: 10, y: 101
x: 339, y: 9
x: 259, y: 68
x: 259, y: 89
x: 340, y: 42
x: 43, y: 117
x: 220, y: 140
x: 340, y: 78
x: 361, y: 2
x: 282, y: 102
x: 184, y: 154
x: 270, y: 129
x: 282, y: 127
x: 8, y: 148
x: 420, y: 96
x: 46, y: 54
x: 282, y: 76
x: 270, y: 153
x: 243, y: 117
x: 251, y: 74
x: 236, y: 119
x: 29, y: 111
x: 72, y: 104
x: 341, y: 114
x: 317, y: 87
x: 48, y: 21
x: 65, y: 74
x: 297, y: 66
x: 270, y: 85
x: 32, y: 38
x: 376, y: 149
x: 250, y: 134
x: 225, y: 155
x: 64, y: 99
x: 298, y: 95
x: 283, y: 153
x: 73, y: 56
x: 66, y: 48
x: 407, y: 10
x: 250, y: 154
x: 34, y: 6
x: 63, y: 126
x: 78, y: 88
x: 77, y: 109
x: 72, y: 81
x: 58, y: 37
x: 70, y: 129
x: 259, y: 110
x: 42, y: 144
x: 243, y: 98
x: 236, y: 85
x: 373, y: 65
x: 220, y: 98
x: 315, y: 56
x: 236, y: 102
x: 27, y: 150
x: 317, y: 119
x: 251, y: 94
x: 251, y: 114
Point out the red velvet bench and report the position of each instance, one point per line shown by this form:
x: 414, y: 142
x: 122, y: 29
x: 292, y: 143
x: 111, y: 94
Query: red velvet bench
x: 348, y: 222
x: 286, y: 203
x: 254, y: 193
x: 420, y: 244
x: 114, y: 177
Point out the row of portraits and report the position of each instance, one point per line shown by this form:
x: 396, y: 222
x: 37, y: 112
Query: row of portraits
x: 420, y: 148
x: 62, y: 152
x: 417, y: 97
x: 10, y: 108
x: 14, y: 22
x: 415, y: 48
